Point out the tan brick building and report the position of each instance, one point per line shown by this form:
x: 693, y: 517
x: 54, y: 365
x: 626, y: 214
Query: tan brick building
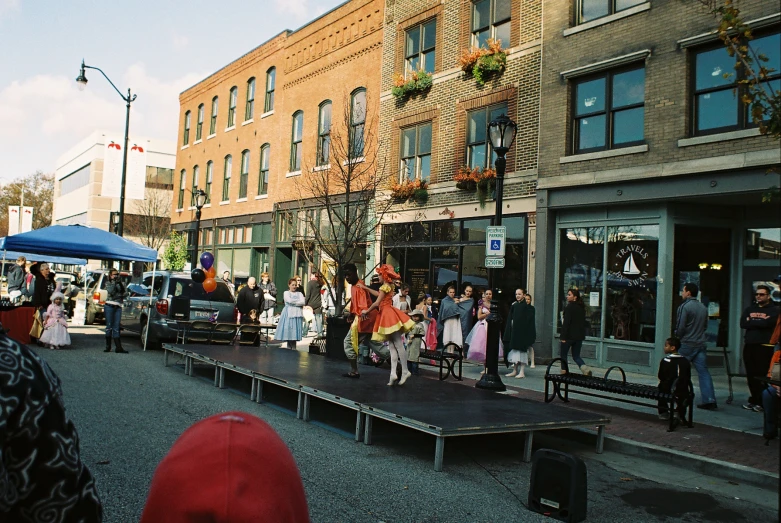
x: 650, y: 175
x: 249, y: 131
x: 430, y: 135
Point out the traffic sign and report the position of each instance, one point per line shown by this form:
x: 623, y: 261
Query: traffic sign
x: 495, y: 240
x: 494, y: 262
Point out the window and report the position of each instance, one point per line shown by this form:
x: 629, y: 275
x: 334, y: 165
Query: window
x: 324, y: 134
x: 213, y: 122
x: 226, y: 178
x: 249, y: 111
x: 416, y: 152
x: 196, y: 174
x: 717, y: 100
x: 232, y: 106
x: 182, y: 183
x: 296, y: 146
x: 357, y: 121
x: 763, y: 244
x: 75, y: 180
x: 199, y: 125
x: 592, y: 9
x: 209, y: 176
x: 263, y: 177
x: 186, y: 137
x: 420, y: 48
x: 490, y: 19
x: 609, y: 111
x: 244, y: 176
x: 478, y: 148
x: 271, y: 80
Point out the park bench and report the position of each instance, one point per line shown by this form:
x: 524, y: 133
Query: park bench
x: 563, y: 384
x: 444, y: 360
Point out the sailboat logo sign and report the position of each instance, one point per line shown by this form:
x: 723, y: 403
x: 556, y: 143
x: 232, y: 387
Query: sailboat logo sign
x: 631, y: 264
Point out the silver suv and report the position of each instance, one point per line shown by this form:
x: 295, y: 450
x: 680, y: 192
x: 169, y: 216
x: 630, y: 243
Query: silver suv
x: 174, y: 296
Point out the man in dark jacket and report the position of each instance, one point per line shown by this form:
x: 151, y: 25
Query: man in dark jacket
x: 314, y: 299
x: 520, y: 332
x: 690, y: 329
x: 16, y: 278
x: 112, y: 311
x: 249, y: 298
x: 759, y: 320
x: 41, y: 293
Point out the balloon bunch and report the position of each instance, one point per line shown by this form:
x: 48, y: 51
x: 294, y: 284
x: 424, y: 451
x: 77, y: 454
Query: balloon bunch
x: 207, y: 274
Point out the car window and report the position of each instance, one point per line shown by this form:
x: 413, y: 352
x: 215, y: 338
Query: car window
x: 124, y: 278
x: 194, y: 291
x: 158, y: 284
x: 91, y: 279
x: 136, y: 289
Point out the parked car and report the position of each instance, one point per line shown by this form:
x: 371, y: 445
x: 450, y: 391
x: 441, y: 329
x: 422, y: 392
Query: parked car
x: 153, y: 308
x: 70, y: 287
x: 96, y: 282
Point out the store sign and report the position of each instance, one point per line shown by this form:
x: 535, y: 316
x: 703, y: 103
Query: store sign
x: 631, y: 264
x: 495, y: 240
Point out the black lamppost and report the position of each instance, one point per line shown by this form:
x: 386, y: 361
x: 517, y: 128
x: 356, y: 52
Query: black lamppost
x: 501, y: 132
x: 82, y: 81
x: 199, y: 198
x: 113, y: 221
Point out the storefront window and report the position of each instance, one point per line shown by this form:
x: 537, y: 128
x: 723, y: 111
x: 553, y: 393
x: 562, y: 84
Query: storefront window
x: 241, y: 265
x: 508, y: 279
x: 445, y: 274
x: 516, y: 228
x: 445, y: 253
x: 763, y: 244
x: 582, y: 256
x: 395, y: 258
x: 632, y: 268
x: 473, y: 266
x: 474, y: 230
x: 446, y: 231
x: 417, y: 271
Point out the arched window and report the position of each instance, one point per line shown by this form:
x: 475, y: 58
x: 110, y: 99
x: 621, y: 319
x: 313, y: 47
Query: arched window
x: 296, y: 139
x: 226, y: 178
x: 182, y: 183
x: 244, y: 175
x: 265, y: 149
x: 249, y: 110
x: 234, y: 94
x: 357, y: 121
x: 196, y: 174
x: 271, y: 80
x: 213, y: 122
x: 199, y: 125
x: 324, y: 134
x: 209, y: 177
x: 186, y: 136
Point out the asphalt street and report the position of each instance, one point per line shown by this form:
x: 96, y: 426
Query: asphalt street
x: 129, y: 409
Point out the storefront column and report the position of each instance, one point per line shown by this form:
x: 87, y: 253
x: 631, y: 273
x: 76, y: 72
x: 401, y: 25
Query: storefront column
x: 544, y: 273
x: 531, y: 234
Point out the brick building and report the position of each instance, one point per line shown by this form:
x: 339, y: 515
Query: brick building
x: 429, y: 135
x: 650, y: 175
x: 249, y: 131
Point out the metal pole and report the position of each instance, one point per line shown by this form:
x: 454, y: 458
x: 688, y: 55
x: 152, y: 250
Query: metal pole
x: 121, y: 225
x: 21, y: 209
x: 194, y: 262
x: 491, y: 379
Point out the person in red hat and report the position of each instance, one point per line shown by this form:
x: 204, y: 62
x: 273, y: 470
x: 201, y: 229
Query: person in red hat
x: 228, y: 468
x: 391, y: 323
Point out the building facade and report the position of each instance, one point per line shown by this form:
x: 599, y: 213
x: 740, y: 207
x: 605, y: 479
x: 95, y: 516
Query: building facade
x: 432, y: 134
x: 650, y: 175
x: 78, y: 182
x: 252, y: 133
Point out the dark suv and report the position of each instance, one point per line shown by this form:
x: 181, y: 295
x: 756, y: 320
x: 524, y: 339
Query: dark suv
x: 174, y: 296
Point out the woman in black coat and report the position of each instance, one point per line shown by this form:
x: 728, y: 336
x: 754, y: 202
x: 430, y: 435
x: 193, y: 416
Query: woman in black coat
x: 573, y: 332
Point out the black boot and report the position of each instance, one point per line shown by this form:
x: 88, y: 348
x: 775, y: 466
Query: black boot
x: 118, y: 344
x: 108, y: 344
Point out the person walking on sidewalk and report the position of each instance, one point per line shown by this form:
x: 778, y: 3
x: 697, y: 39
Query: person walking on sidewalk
x: 759, y: 320
x: 573, y: 332
x: 690, y: 329
x: 112, y: 310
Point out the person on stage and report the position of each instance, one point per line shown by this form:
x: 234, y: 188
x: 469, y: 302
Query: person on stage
x: 391, y: 323
x: 291, y: 327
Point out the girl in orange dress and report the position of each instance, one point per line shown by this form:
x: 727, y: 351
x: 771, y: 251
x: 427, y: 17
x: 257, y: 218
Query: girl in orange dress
x: 391, y: 323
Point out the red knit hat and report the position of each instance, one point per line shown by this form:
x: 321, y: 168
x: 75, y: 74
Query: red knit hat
x: 228, y: 468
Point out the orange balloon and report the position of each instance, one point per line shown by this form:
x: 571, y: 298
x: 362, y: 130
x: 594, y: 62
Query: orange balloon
x: 211, y: 272
x: 209, y: 285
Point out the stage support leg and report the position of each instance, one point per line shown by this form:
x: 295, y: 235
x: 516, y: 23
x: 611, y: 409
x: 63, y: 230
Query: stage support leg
x: 165, y: 357
x: 259, y: 391
x: 307, y: 399
x: 300, y: 408
x: 188, y: 365
x: 222, y: 378
x: 254, y: 388
x: 367, y: 432
x: 359, y: 422
x: 439, y: 454
x: 600, y: 439
x: 527, y: 447
x: 216, y: 375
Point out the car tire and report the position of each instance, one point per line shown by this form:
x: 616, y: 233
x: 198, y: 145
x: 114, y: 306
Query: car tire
x: 150, y: 344
x: 90, y: 319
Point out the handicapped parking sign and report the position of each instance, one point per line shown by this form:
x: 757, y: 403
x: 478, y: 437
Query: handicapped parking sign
x: 495, y: 240
x: 496, y: 245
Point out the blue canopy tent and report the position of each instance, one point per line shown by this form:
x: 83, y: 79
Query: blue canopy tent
x: 13, y: 255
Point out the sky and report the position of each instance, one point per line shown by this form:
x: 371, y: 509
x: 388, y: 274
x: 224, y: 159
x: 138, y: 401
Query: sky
x: 157, y: 48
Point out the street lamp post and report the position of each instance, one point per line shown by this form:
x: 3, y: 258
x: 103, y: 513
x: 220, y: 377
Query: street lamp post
x: 501, y: 132
x: 82, y: 81
x: 199, y: 197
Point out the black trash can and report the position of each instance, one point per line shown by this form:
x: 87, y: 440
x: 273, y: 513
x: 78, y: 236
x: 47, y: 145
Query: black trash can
x: 337, y: 330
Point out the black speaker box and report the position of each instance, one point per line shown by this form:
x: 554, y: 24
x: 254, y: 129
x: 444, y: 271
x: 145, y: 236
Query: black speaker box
x: 179, y: 308
x: 558, y: 486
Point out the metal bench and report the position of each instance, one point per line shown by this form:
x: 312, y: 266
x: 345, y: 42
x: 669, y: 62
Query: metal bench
x: 562, y: 383
x: 444, y: 360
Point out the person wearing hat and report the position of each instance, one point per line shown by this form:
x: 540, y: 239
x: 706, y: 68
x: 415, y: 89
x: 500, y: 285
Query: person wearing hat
x: 415, y: 337
x: 55, y: 328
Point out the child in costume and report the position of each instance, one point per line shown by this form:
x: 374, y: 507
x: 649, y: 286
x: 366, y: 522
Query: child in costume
x: 674, y: 366
x: 55, y: 328
x: 290, y: 327
x: 391, y: 323
x: 478, y: 337
x: 415, y: 337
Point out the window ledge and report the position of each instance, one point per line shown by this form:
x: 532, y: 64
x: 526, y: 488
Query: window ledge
x: 191, y: 208
x: 266, y: 115
x: 247, y: 122
x: 226, y: 202
x: 604, y: 154
x: 322, y: 168
x: 211, y: 136
x: 712, y: 36
x: 241, y: 200
x: 606, y: 64
x: 608, y: 19
x: 261, y: 196
x: 228, y: 129
x: 292, y: 173
x: 360, y: 159
x: 185, y: 146
x: 179, y: 210
x: 720, y: 137
x: 196, y: 142
x: 207, y: 205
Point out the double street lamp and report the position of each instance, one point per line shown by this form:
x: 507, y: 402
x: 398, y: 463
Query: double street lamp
x: 501, y: 132
x: 82, y: 81
x: 199, y: 199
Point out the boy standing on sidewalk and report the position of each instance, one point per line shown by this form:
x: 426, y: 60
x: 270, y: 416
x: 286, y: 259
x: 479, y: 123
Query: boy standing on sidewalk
x: 690, y: 329
x: 759, y: 320
x: 674, y: 366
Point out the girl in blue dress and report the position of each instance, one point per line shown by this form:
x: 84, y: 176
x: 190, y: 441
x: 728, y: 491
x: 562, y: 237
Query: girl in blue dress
x: 290, y: 324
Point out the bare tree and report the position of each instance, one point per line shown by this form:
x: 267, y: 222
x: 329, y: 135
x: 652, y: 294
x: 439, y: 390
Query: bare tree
x: 151, y: 222
x: 38, y: 191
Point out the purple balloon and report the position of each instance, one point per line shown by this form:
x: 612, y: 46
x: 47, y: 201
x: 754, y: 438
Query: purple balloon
x: 207, y: 260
